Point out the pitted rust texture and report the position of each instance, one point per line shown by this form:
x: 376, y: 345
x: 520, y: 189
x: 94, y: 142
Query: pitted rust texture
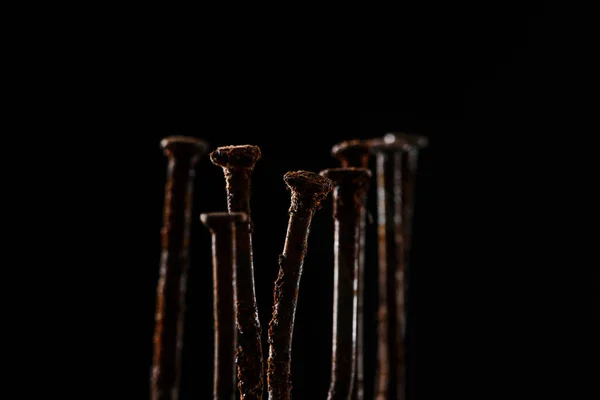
x: 182, y: 152
x: 222, y: 227
x: 308, y: 191
x: 237, y: 163
x: 356, y: 153
x: 236, y: 157
x: 349, y: 186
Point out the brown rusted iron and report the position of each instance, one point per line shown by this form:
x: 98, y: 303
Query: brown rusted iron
x: 183, y: 153
x: 409, y: 173
x: 355, y: 153
x: 395, y: 188
x: 237, y: 163
x: 222, y: 226
x: 352, y: 153
x: 349, y: 185
x: 308, y: 191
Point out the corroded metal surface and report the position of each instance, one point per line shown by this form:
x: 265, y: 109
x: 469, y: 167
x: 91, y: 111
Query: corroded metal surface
x: 391, y: 361
x: 222, y: 227
x: 182, y: 152
x: 308, y: 190
x: 237, y: 163
x: 352, y: 153
x: 349, y: 185
x: 355, y: 153
x: 396, y: 169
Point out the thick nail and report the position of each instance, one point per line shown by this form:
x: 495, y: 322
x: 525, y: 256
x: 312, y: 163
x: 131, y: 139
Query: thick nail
x: 356, y: 153
x: 349, y: 185
x: 396, y: 166
x: 182, y: 153
x: 308, y: 190
x: 352, y: 153
x: 222, y: 226
x: 237, y: 163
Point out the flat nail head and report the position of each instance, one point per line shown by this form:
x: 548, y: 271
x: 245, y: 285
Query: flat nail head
x: 213, y: 219
x: 183, y: 145
x: 358, y: 176
x: 308, y: 184
x: 406, y: 139
x: 244, y: 156
x: 350, y: 148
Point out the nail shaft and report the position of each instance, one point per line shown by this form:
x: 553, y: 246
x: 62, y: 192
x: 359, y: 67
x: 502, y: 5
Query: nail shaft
x: 182, y: 152
x: 349, y: 185
x: 391, y: 278
x: 308, y: 191
x: 222, y: 227
x: 395, y: 190
x: 355, y: 153
x: 237, y: 163
x: 409, y: 180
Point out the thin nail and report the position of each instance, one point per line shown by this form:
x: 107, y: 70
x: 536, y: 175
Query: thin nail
x: 355, y: 153
x: 222, y: 227
x: 349, y: 185
x: 182, y: 152
x: 308, y: 191
x: 237, y: 163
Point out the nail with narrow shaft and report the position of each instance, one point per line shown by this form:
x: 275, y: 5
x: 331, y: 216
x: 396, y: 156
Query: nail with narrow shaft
x: 183, y: 153
x: 237, y: 163
x: 308, y: 191
x: 411, y: 144
x: 392, y: 179
x: 355, y: 153
x: 349, y: 185
x: 222, y: 226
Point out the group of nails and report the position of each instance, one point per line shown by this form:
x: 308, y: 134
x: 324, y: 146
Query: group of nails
x: 238, y: 356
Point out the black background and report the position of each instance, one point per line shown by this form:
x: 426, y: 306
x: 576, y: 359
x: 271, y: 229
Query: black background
x: 477, y: 83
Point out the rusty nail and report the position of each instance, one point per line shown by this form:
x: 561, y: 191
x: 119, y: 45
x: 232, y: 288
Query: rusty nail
x: 308, y: 190
x: 222, y: 226
x: 355, y: 153
x: 183, y: 153
x: 237, y: 163
x: 394, y: 184
x: 349, y: 185
x: 352, y: 153
x: 412, y: 144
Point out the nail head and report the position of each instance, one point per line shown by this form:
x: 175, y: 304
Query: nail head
x: 238, y: 156
x: 212, y: 219
x: 308, y: 183
x: 350, y: 148
x: 360, y: 176
x: 405, y: 139
x: 178, y: 144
